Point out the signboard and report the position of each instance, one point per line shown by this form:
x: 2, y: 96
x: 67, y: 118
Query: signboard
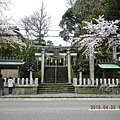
x: 10, y: 72
x: 56, y: 52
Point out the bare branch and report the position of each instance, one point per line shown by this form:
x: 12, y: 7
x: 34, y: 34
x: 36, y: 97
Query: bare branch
x: 70, y: 3
x: 38, y: 23
x: 4, y: 5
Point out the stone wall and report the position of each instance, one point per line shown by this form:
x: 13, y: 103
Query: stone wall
x: 23, y: 86
x: 94, y: 90
x: 22, y: 90
x: 87, y: 86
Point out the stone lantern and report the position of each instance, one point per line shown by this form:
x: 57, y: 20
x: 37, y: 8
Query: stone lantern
x: 80, y: 70
x: 30, y: 68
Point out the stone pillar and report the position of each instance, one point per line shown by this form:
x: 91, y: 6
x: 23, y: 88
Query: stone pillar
x: 18, y: 81
x: 14, y: 80
x: 69, y: 66
x: 80, y: 81
x: 26, y: 81
x: 117, y: 81
x: 31, y: 81
x: 30, y: 73
x: 23, y: 81
x: 5, y: 81
x: 105, y: 81
x: 42, y: 65
x: 114, y: 53
x: 84, y: 81
x: 101, y: 81
x: 80, y: 77
x: 97, y: 81
x: 113, y: 81
x: 74, y: 81
x: 88, y: 82
x: 92, y: 82
x: 109, y: 81
x: 36, y: 81
x: 91, y: 62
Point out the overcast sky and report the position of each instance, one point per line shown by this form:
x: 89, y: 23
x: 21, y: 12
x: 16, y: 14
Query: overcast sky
x: 54, y: 8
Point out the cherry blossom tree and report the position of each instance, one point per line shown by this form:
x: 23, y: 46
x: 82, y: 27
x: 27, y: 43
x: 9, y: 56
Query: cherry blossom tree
x: 100, y: 32
x: 10, y: 35
x: 4, y: 5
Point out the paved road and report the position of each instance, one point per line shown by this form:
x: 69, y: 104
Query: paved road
x: 60, y: 109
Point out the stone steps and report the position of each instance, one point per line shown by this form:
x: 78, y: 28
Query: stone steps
x: 55, y: 88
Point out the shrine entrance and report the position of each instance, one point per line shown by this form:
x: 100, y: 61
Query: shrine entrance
x: 56, y: 66
x: 56, y: 75
x: 55, y: 69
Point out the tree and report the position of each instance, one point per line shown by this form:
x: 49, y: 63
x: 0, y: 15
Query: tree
x: 111, y: 9
x: 86, y: 10
x: 83, y: 8
x: 4, y: 5
x: 50, y: 43
x: 10, y: 37
x: 37, y: 24
x: 70, y: 3
x: 99, y: 32
x: 101, y: 35
x: 74, y: 16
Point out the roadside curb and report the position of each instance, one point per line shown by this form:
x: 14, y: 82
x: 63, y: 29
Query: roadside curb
x: 42, y: 96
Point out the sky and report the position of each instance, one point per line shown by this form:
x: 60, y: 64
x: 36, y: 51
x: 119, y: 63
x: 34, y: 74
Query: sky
x: 54, y: 8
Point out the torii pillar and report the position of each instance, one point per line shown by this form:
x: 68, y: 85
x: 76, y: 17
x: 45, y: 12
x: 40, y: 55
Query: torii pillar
x: 42, y: 65
x: 69, y: 65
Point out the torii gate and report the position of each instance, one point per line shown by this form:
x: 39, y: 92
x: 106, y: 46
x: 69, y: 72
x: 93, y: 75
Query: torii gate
x: 68, y: 59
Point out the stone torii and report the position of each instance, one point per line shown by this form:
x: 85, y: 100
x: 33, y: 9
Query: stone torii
x: 42, y: 55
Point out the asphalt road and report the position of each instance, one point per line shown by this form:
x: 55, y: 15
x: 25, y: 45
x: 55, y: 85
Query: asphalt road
x: 60, y: 109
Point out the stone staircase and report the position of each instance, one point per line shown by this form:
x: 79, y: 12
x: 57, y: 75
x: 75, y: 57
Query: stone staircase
x: 55, y: 81
x: 47, y: 88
